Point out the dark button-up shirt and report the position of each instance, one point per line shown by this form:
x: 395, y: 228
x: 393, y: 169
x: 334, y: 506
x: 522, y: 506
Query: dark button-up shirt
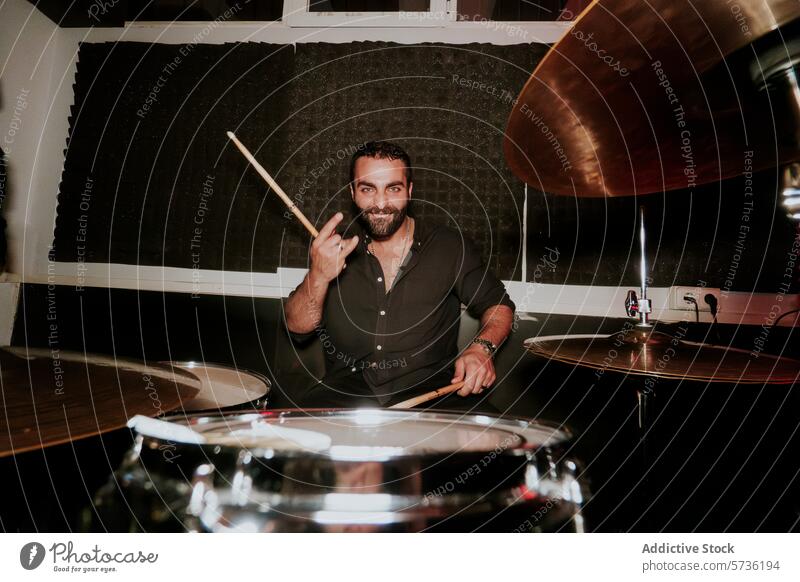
x: 406, y: 338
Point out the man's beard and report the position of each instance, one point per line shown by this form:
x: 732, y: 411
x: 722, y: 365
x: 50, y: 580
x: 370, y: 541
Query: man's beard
x: 382, y: 223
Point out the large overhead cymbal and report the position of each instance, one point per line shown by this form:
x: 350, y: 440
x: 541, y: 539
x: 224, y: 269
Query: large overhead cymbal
x: 666, y: 358
x: 50, y: 398
x: 637, y: 98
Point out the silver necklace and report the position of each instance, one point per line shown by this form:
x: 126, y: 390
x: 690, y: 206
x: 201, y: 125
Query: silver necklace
x: 371, y: 246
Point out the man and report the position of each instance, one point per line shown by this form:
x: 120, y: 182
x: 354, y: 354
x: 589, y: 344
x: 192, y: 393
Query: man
x: 386, y: 302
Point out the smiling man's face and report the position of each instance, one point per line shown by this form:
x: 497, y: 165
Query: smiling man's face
x: 381, y: 192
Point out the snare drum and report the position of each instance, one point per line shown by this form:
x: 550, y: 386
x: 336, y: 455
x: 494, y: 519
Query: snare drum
x: 364, y: 470
x: 224, y: 388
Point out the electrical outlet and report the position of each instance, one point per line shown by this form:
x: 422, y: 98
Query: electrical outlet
x: 677, y: 301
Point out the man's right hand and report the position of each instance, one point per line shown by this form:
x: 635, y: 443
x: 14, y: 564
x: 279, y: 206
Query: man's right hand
x: 329, y: 251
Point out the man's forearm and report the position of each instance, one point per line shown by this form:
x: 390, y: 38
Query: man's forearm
x: 304, y: 305
x: 496, y: 324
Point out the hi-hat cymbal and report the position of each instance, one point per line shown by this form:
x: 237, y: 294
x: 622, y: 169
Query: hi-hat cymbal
x: 638, y: 97
x: 666, y: 357
x: 50, y: 398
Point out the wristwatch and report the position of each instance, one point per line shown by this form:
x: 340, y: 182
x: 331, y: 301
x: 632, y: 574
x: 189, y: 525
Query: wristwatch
x: 486, y: 345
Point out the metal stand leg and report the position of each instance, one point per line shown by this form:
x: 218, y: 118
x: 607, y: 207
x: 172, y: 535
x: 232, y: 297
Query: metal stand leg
x: 645, y: 404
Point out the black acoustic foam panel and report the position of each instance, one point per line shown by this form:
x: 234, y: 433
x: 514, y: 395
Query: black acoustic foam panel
x: 152, y: 174
x: 148, y: 144
x: 151, y: 179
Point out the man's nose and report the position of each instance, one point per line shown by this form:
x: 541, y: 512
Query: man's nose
x: 381, y: 199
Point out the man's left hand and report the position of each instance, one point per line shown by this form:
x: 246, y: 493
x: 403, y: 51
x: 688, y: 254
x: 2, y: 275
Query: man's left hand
x: 476, y: 368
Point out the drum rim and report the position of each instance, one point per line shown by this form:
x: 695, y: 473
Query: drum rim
x: 187, y: 365
x: 163, y: 369
x: 560, y: 435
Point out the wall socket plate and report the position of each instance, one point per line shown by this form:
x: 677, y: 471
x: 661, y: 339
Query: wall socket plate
x: 677, y: 294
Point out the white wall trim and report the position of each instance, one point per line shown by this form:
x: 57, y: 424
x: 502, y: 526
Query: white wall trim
x: 601, y: 301
x: 501, y: 33
x: 598, y: 301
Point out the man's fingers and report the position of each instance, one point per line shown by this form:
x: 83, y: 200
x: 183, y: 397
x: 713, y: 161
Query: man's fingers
x: 350, y: 245
x: 490, y: 376
x: 330, y: 226
x: 471, y: 375
x: 461, y: 371
x: 477, y: 373
x: 343, y: 247
x: 480, y: 378
x: 459, y: 375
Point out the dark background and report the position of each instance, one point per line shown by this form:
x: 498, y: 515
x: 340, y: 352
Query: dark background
x: 302, y: 109
x: 721, y: 457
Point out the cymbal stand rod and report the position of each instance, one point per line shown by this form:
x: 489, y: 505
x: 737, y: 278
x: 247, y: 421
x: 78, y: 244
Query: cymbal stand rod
x: 644, y: 403
x: 644, y: 306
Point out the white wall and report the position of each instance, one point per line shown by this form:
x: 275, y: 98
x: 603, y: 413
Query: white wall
x: 27, y: 49
x: 28, y: 54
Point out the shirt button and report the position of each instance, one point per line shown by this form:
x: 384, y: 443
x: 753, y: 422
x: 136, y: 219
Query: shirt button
x: 383, y: 312
x: 380, y: 279
x: 380, y: 347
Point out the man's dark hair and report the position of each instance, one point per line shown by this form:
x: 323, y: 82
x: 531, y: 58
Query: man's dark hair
x: 382, y: 150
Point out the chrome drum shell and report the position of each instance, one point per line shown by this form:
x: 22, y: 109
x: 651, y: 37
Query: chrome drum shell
x: 383, y: 470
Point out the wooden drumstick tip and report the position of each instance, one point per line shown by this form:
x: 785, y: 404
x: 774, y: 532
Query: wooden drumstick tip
x: 230, y: 135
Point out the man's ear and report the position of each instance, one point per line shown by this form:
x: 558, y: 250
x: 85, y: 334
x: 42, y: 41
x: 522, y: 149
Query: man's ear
x: 410, y: 188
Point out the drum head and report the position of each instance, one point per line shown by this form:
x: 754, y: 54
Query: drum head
x: 372, y: 434
x: 323, y: 470
x: 223, y: 386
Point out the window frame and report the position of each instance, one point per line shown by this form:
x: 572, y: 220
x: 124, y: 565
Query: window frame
x: 442, y: 14
x: 297, y: 15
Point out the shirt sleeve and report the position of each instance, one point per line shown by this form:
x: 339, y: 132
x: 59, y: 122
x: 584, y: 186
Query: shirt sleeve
x: 475, y: 285
x: 299, y: 338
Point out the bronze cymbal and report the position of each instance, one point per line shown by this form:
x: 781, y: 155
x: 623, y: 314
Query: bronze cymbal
x: 668, y: 358
x: 50, y: 398
x: 638, y: 97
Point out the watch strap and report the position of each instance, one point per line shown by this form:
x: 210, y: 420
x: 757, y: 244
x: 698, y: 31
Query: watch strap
x: 486, y: 344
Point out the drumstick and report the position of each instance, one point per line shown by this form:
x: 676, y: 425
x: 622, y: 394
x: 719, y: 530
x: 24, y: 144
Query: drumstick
x: 412, y: 402
x: 274, y: 185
